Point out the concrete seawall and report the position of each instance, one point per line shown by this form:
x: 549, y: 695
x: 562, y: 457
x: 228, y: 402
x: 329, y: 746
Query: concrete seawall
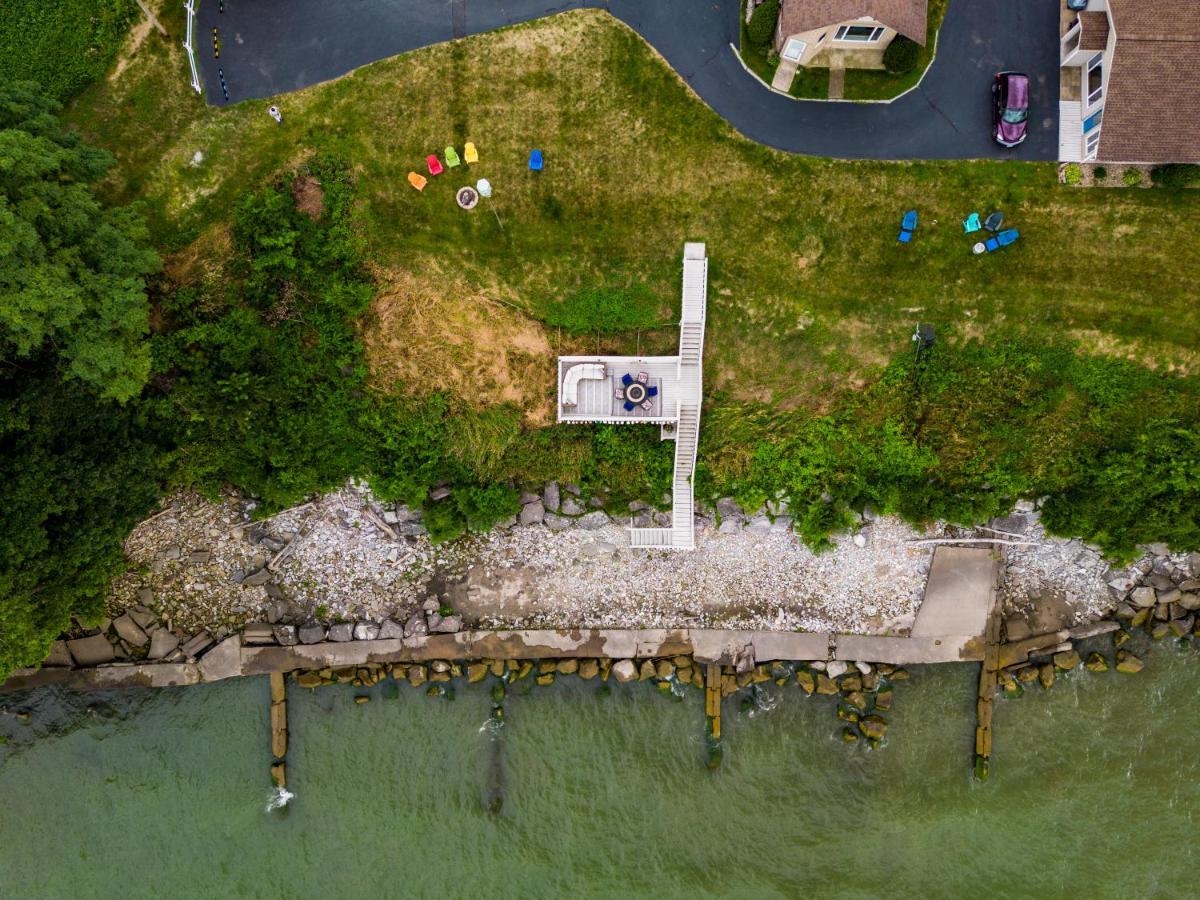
x: 960, y: 594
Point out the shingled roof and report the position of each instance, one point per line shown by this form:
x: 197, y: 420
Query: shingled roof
x: 1093, y: 30
x: 1152, y: 111
x: 905, y: 16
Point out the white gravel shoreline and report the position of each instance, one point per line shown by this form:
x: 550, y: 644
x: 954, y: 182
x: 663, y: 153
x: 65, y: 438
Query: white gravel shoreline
x: 202, y: 564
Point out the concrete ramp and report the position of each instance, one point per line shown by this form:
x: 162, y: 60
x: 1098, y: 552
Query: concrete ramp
x: 959, y: 593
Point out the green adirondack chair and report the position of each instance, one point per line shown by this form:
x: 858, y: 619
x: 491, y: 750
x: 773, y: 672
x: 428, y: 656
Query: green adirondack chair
x: 452, y: 159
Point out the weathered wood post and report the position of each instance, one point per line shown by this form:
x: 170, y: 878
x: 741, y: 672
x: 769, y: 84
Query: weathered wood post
x: 278, y: 730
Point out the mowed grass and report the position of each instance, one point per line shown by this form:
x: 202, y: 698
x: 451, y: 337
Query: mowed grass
x: 809, y: 291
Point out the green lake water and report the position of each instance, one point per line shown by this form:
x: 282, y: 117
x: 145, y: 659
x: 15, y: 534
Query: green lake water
x: 157, y: 794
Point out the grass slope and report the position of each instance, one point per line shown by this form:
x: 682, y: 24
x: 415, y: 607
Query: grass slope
x: 809, y: 291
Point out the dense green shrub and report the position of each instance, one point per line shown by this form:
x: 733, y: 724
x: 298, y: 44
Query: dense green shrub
x: 1176, y: 175
x: 964, y: 435
x: 901, y: 55
x: 761, y: 30
x: 607, y: 310
x: 1131, y: 178
x: 1072, y: 174
x: 62, y: 44
x: 1099, y: 173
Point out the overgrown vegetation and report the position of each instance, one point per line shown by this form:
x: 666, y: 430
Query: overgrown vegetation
x: 902, y: 55
x: 62, y: 45
x: 761, y: 29
x: 608, y: 310
x: 1176, y: 175
x: 76, y: 466
x: 975, y: 427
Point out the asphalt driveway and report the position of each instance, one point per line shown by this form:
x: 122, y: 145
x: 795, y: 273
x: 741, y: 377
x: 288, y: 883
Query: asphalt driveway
x: 274, y: 46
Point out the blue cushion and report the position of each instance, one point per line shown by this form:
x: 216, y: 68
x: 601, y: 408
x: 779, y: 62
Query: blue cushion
x: 905, y: 237
x: 628, y: 406
x: 651, y: 392
x: 627, y: 379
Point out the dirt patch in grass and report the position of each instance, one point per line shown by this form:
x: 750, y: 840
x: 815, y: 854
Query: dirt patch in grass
x: 202, y: 261
x: 309, y: 195
x: 137, y: 35
x: 421, y: 338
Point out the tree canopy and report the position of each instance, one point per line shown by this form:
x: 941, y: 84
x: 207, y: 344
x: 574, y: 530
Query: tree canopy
x: 72, y: 271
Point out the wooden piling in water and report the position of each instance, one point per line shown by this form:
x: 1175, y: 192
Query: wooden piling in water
x: 279, y: 733
x: 989, y: 675
x: 712, y: 700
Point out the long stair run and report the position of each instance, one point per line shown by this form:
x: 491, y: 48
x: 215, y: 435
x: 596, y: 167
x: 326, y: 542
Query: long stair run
x: 681, y: 534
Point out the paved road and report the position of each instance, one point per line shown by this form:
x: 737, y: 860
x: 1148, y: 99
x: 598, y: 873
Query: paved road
x: 274, y: 46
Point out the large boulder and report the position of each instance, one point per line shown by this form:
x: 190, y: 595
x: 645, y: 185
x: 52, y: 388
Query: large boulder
x: 551, y: 496
x: 571, y: 507
x: 532, y: 513
x: 447, y: 625
x: 1066, y: 660
x: 1143, y: 597
x: 162, y: 642
x: 60, y: 656
x: 341, y: 632
x: 286, y: 635
x: 593, y: 520
x: 1128, y: 663
x: 312, y: 633
x: 873, y: 727
x: 1096, y: 662
x: 416, y: 626
x: 728, y: 508
x: 555, y: 522
x: 624, y: 671
x: 390, y: 630
x: 130, y: 632
x: 366, y: 631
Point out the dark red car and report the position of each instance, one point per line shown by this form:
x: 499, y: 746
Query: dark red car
x: 1010, y: 108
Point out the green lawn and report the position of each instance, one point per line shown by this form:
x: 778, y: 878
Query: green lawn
x: 809, y: 287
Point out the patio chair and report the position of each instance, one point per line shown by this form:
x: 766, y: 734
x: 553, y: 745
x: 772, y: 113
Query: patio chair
x: 628, y: 406
x: 452, y: 160
x: 971, y: 223
x: 435, y: 166
x: 646, y: 405
x: 993, y: 222
x: 470, y: 154
x: 619, y: 393
x: 643, y: 377
x: 651, y: 392
x: 535, y: 160
x: 484, y: 187
x: 907, y: 226
x: 417, y: 181
x: 626, y: 379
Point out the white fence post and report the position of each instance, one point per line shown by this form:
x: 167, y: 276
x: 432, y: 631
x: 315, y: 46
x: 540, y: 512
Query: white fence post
x: 189, y: 43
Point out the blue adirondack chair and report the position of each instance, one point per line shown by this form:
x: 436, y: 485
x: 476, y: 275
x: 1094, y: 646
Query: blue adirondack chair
x: 971, y: 223
x: 907, y: 226
x: 535, y: 160
x: 1002, y: 239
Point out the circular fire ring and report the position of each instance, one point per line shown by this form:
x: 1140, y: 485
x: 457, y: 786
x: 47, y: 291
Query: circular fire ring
x: 635, y: 393
x: 467, y: 197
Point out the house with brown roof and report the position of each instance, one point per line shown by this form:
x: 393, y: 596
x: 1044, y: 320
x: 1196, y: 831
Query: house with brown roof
x: 854, y: 32
x: 1129, y: 92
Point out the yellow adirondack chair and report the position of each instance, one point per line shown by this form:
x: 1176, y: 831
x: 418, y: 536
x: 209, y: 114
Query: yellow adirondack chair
x: 470, y: 154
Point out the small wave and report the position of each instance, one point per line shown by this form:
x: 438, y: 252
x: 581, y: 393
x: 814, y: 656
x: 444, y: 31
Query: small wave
x: 279, y: 799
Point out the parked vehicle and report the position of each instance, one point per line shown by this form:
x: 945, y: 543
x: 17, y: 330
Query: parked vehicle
x: 1010, y: 108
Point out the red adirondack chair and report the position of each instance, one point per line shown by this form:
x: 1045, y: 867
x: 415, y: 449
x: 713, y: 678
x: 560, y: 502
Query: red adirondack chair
x: 435, y: 165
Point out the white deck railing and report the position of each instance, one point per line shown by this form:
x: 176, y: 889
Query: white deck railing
x: 189, y: 43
